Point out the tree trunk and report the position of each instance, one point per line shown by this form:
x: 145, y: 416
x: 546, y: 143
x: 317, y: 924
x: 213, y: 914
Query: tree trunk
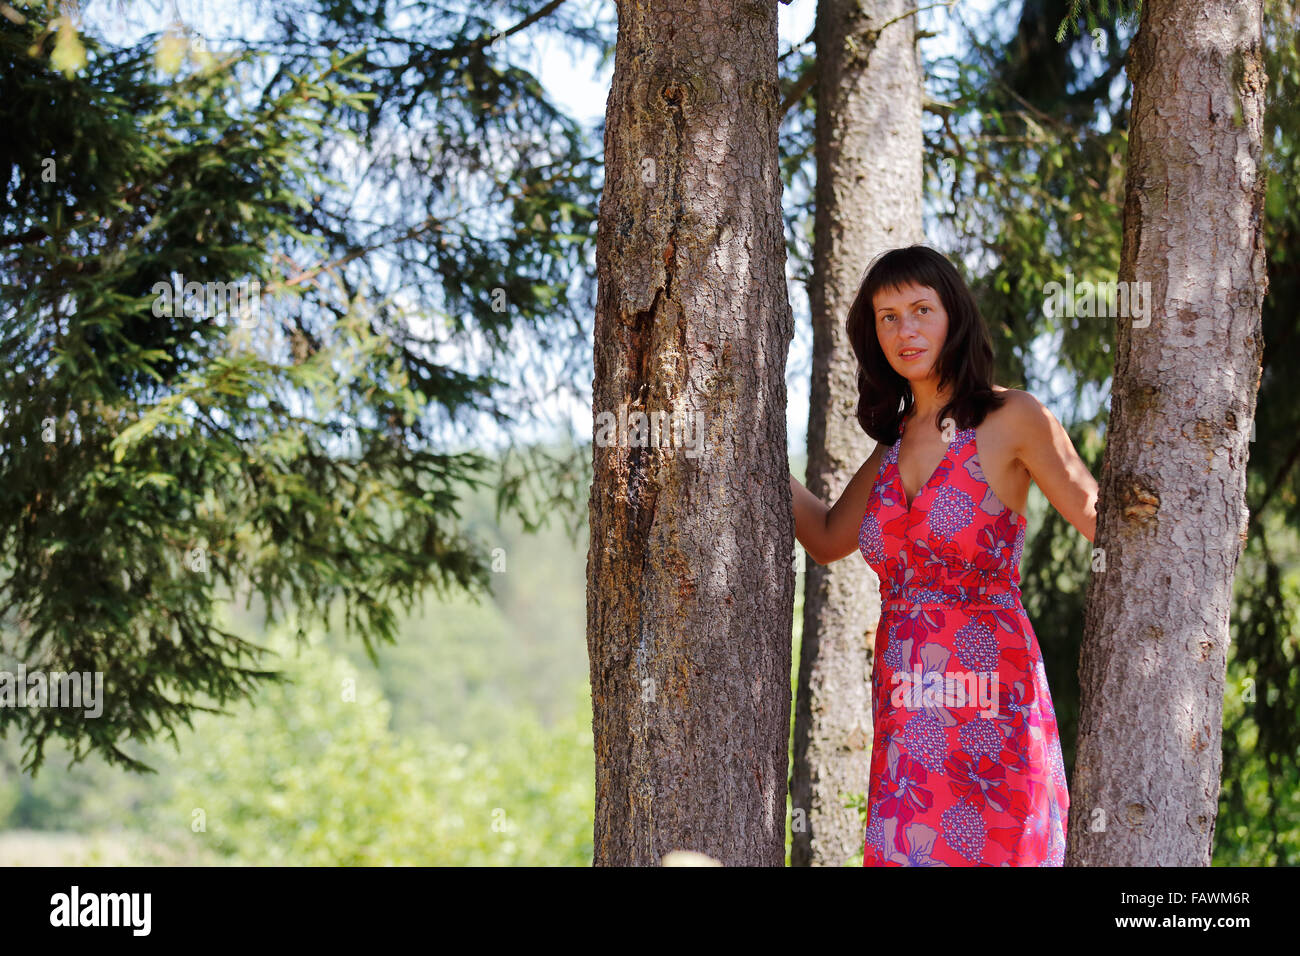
x: 868, y: 200
x: 689, y: 587
x: 1172, y: 513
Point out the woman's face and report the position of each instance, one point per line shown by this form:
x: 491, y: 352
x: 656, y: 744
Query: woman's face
x: 911, y: 326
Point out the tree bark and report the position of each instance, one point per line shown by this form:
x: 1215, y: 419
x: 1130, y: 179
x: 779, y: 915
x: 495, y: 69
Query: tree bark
x: 1172, y: 514
x: 689, y: 586
x: 868, y: 199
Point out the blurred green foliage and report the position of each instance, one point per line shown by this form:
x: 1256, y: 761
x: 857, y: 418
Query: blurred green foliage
x: 313, y: 773
x: 470, y: 743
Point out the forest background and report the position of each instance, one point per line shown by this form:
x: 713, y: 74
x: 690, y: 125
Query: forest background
x: 466, y: 738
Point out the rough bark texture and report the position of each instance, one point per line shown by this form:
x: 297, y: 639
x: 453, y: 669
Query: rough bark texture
x: 868, y: 200
x: 689, y: 586
x: 1172, y: 513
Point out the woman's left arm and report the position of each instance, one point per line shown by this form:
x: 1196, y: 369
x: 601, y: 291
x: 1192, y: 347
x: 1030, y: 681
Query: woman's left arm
x: 1045, y: 449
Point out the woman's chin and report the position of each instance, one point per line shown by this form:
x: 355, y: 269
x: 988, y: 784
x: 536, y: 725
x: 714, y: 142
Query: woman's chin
x: 914, y: 376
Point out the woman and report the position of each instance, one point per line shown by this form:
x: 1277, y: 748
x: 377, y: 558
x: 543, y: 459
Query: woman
x: 966, y: 765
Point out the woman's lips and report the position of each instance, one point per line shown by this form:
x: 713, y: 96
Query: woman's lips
x: 907, y: 357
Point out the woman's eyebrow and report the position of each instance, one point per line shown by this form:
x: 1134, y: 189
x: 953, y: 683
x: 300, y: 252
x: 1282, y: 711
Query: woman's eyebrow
x: 889, y: 308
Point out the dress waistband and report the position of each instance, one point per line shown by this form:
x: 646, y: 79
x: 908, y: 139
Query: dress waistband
x: 998, y: 594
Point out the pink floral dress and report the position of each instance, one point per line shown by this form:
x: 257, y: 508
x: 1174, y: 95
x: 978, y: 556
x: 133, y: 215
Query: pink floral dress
x: 966, y: 766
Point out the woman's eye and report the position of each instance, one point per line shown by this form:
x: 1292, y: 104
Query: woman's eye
x: 924, y: 308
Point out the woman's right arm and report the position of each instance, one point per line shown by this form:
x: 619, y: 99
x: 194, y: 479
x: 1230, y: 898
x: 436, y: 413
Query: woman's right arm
x: 828, y: 534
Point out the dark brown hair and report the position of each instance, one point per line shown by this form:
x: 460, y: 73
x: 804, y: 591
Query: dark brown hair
x: 965, y: 361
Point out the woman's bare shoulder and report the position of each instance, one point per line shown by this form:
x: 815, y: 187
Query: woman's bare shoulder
x: 1014, y: 394
x: 1018, y: 417
x: 1016, y: 402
